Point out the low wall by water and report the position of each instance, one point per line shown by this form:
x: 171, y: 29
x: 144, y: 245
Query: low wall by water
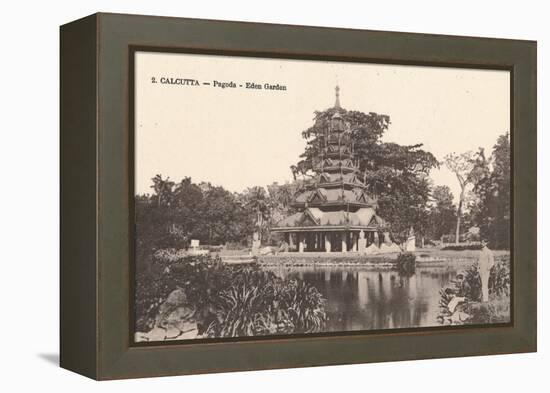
x: 326, y: 259
x: 386, y: 260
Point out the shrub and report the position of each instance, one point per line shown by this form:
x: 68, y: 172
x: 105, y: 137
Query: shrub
x: 468, y: 285
x: 495, y: 311
x: 230, y: 300
x: 151, y: 291
x: 462, y: 247
x: 406, y: 263
x: 499, y: 280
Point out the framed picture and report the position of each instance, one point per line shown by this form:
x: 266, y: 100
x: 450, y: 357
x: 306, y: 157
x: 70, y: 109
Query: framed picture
x: 240, y: 196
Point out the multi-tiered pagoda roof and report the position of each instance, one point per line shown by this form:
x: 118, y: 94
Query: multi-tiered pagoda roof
x: 335, y: 198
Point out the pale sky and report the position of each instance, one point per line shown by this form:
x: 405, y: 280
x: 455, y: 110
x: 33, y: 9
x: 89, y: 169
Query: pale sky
x: 239, y: 138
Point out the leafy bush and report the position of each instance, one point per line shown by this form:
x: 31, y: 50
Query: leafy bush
x: 230, y: 300
x: 406, y: 263
x: 277, y: 307
x: 151, y: 291
x: 468, y: 285
x: 462, y: 247
x: 499, y: 279
x: 495, y: 311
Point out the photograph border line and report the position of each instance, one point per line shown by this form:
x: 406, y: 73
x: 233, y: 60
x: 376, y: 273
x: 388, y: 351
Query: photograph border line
x: 134, y: 49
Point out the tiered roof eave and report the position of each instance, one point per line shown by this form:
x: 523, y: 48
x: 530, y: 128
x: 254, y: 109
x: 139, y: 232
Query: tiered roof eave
x: 336, y: 199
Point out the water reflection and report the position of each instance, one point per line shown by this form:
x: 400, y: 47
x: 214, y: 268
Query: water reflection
x: 368, y: 298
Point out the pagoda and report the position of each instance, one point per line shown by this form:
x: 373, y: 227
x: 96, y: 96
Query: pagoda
x: 335, y: 211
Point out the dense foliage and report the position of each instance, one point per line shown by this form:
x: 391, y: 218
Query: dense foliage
x: 462, y: 247
x: 396, y: 175
x: 491, y: 211
x: 487, y: 205
x: 406, y: 263
x: 179, y: 212
x: 229, y: 301
x: 442, y: 213
x: 468, y: 285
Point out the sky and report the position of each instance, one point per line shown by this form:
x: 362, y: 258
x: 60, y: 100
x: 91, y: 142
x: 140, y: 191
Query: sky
x: 239, y: 137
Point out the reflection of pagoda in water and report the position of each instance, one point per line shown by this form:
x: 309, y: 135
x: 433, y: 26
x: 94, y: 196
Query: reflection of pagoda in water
x: 335, y: 210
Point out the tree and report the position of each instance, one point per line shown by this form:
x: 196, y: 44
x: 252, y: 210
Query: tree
x: 187, y: 194
x: 257, y: 200
x: 394, y: 174
x: 492, y: 186
x: 501, y: 180
x: 187, y: 206
x: 163, y: 189
x: 220, y: 217
x: 461, y: 165
x: 281, y: 196
x: 154, y: 229
x: 442, y: 216
x: 367, y: 129
x: 174, y: 215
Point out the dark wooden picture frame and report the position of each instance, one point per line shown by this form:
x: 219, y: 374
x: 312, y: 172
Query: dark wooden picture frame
x: 97, y: 195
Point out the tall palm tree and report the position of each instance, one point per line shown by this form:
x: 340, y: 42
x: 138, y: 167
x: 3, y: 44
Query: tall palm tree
x: 257, y: 199
x: 163, y: 188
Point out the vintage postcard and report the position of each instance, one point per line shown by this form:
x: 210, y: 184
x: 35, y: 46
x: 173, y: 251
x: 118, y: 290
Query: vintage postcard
x: 280, y: 196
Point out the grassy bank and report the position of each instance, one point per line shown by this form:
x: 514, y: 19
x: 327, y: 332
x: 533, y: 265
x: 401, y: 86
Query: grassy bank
x: 450, y: 254
x: 325, y: 259
x: 424, y: 257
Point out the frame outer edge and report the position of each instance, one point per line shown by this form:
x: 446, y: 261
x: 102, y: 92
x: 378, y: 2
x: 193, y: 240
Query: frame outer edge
x: 525, y: 190
x: 119, y: 360
x: 78, y: 197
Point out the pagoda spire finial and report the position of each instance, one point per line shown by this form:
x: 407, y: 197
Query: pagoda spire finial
x: 337, y: 102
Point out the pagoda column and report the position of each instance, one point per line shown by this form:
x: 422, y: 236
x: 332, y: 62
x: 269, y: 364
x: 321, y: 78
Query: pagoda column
x: 291, y: 241
x: 327, y: 242
x: 344, y: 242
x: 300, y: 242
x: 356, y: 241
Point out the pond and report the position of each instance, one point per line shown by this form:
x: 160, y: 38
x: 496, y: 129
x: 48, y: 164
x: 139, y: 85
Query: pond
x: 371, y: 298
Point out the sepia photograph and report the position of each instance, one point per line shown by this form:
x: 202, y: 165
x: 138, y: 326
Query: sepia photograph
x: 281, y: 196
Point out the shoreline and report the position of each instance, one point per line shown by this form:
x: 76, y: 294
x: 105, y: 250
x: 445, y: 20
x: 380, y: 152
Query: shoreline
x: 423, y: 259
